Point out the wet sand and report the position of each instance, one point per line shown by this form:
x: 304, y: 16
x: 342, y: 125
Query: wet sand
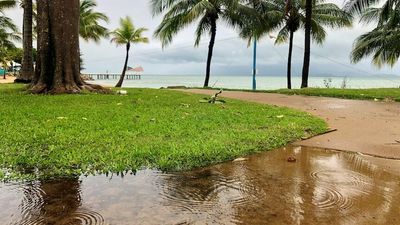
x: 8, y: 80
x: 367, y: 127
x: 321, y: 187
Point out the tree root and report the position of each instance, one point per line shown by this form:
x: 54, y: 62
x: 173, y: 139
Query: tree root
x: 41, y: 88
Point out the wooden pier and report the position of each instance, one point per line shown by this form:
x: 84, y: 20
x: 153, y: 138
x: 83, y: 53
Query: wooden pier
x: 111, y: 76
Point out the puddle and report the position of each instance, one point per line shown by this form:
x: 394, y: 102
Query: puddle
x: 321, y: 187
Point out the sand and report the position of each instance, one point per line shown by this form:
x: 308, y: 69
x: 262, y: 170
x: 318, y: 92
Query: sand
x: 8, y: 80
x: 367, y: 127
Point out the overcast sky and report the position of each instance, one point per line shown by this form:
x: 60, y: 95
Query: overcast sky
x: 231, y: 56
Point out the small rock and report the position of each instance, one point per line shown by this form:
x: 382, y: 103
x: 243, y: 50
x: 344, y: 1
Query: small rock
x: 291, y: 159
x: 239, y: 159
x: 122, y: 92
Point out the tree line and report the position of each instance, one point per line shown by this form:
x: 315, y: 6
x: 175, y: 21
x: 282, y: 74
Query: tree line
x: 57, y: 26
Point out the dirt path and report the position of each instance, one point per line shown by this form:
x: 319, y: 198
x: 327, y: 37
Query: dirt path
x: 7, y: 80
x: 367, y: 127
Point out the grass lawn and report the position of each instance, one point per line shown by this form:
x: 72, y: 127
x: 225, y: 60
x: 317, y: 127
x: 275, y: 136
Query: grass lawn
x: 387, y: 94
x: 382, y: 94
x: 45, y: 136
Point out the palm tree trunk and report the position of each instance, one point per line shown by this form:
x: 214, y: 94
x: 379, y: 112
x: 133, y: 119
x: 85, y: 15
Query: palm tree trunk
x: 121, y: 79
x: 210, y: 50
x: 27, y: 70
x: 307, y: 43
x: 289, y: 65
x: 57, y: 67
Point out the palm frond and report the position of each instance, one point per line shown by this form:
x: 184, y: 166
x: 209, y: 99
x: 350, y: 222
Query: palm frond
x: 90, y: 28
x: 128, y: 33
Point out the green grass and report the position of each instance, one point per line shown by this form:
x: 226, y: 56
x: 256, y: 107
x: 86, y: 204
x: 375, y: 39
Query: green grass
x: 381, y: 94
x: 45, y: 136
x: 386, y: 94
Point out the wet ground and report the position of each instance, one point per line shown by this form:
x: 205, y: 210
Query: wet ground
x: 321, y: 187
x: 369, y: 127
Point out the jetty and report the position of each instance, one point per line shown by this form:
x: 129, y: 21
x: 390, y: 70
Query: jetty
x: 111, y: 76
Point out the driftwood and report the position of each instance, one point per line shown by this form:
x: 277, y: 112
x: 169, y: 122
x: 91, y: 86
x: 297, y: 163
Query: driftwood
x: 213, y: 99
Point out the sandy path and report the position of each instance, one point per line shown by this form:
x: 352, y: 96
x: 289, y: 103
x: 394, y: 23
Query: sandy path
x: 7, y: 80
x: 367, y: 127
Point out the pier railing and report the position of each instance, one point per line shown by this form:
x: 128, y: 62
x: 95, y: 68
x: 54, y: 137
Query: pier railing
x: 111, y: 76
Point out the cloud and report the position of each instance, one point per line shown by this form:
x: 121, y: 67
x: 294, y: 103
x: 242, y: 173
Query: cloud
x: 232, y: 56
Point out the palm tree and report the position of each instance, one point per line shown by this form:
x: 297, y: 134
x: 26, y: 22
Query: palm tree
x: 8, y: 30
x: 307, y: 43
x: 127, y: 34
x: 293, y: 16
x: 90, y: 28
x: 182, y: 13
x: 27, y: 70
x: 383, y: 41
x: 288, y: 16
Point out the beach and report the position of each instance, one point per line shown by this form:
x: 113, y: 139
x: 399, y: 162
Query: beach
x: 8, y: 80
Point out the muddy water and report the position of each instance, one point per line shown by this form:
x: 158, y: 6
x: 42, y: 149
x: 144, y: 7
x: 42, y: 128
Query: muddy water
x: 321, y: 187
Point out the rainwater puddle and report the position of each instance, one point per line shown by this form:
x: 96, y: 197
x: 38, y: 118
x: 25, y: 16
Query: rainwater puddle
x: 321, y: 187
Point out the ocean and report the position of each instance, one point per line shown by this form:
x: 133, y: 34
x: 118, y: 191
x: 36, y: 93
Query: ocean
x: 263, y: 82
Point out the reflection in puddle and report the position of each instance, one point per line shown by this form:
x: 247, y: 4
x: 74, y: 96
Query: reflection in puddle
x: 322, y: 187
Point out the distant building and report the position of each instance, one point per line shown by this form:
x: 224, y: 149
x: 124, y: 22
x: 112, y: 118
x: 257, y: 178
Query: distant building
x: 135, y: 70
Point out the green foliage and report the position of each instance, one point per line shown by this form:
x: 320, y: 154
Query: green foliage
x: 90, y: 28
x: 285, y: 16
x: 45, y: 136
x: 127, y: 33
x: 391, y: 94
x: 9, y: 32
x: 16, y: 54
x: 382, y: 43
x: 182, y: 13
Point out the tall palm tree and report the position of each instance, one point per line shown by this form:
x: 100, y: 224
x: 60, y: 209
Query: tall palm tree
x: 292, y: 15
x: 127, y: 34
x: 182, y: 13
x: 8, y: 30
x: 90, y: 28
x: 383, y: 41
x: 307, y: 44
x: 27, y: 70
x: 288, y: 16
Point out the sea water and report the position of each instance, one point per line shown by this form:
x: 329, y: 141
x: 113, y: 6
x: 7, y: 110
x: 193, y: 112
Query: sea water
x: 264, y: 82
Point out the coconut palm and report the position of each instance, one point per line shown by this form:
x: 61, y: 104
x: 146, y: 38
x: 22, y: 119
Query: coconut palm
x: 27, y: 70
x: 307, y: 43
x: 127, y: 34
x: 182, y: 13
x: 8, y: 30
x: 287, y: 17
x: 90, y: 28
x: 383, y: 41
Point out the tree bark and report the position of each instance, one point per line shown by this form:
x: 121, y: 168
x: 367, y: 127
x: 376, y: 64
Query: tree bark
x: 307, y: 44
x: 57, y: 69
x: 289, y: 65
x: 121, y: 79
x: 27, y: 70
x: 210, y: 50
